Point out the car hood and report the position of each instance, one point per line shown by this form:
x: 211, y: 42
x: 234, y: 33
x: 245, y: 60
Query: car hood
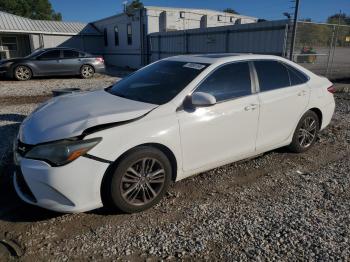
x: 69, y: 115
x: 13, y: 60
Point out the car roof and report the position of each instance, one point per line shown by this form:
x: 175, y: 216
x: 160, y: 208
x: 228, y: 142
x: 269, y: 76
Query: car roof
x: 221, y: 57
x: 60, y: 48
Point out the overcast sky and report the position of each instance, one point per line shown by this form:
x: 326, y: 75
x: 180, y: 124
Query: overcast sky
x: 91, y: 10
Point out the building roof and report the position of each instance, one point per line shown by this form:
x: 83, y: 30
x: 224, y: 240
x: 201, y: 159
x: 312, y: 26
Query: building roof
x: 17, y: 24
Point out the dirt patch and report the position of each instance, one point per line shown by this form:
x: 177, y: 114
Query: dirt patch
x: 22, y: 100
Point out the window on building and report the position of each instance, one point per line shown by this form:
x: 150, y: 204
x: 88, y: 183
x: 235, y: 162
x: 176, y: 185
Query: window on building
x: 116, y: 35
x: 272, y: 75
x: 129, y: 34
x: 51, y: 55
x: 105, y: 36
x: 182, y: 14
x: 232, y: 19
x: 219, y: 18
x: 9, y: 43
x: 228, y: 82
x: 70, y: 54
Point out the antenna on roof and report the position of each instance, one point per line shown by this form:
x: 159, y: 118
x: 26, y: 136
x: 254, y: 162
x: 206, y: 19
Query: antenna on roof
x: 125, y: 4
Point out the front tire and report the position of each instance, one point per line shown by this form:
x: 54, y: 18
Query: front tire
x: 140, y: 180
x: 87, y: 71
x: 23, y: 73
x: 306, y: 133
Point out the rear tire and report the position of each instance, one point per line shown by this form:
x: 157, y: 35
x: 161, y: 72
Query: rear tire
x: 87, y: 71
x: 139, y: 181
x: 23, y: 73
x: 306, y: 133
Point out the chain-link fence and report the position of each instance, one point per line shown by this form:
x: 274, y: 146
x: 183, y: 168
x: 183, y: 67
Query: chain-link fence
x: 323, y: 48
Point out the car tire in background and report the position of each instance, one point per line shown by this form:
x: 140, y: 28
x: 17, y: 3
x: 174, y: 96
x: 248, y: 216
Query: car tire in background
x: 305, y: 134
x: 87, y: 71
x: 22, y: 73
x: 138, y: 181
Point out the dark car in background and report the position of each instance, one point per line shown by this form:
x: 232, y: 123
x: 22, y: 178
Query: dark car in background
x: 52, y: 62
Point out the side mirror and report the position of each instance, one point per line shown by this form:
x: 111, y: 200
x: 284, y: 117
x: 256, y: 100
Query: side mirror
x: 200, y: 99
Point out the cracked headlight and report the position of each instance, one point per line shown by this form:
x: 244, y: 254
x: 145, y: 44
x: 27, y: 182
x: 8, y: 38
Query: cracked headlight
x: 62, y: 152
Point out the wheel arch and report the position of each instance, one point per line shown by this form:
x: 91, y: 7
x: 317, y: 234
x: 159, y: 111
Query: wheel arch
x: 319, y: 114
x: 21, y: 64
x: 87, y: 64
x: 104, y: 189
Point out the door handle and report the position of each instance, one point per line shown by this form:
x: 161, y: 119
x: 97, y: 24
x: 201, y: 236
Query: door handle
x: 251, y: 107
x: 302, y: 93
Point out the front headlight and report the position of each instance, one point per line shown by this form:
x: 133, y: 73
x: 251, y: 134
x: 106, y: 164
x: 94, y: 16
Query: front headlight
x: 6, y: 64
x: 62, y: 152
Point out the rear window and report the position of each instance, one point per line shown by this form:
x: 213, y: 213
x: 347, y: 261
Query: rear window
x: 70, y: 54
x: 272, y: 75
x: 159, y: 82
x: 296, y: 77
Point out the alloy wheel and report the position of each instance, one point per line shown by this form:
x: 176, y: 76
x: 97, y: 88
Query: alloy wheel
x: 23, y: 73
x: 142, y: 182
x: 307, y: 132
x: 87, y: 71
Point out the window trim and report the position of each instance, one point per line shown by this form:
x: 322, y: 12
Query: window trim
x: 252, y: 82
x: 116, y: 36
x: 127, y: 34
x: 284, y: 65
x: 105, y: 36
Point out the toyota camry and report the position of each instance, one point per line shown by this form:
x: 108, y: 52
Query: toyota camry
x: 123, y: 146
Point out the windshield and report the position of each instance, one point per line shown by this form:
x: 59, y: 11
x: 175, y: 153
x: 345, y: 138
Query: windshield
x: 157, y: 83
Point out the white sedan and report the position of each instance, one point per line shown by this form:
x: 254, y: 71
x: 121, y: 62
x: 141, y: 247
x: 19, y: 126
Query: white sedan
x: 123, y: 146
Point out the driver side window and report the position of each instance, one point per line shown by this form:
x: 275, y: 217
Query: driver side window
x: 228, y: 82
x: 50, y: 55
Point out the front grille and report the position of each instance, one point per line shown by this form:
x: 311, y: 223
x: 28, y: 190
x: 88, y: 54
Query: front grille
x: 22, y: 185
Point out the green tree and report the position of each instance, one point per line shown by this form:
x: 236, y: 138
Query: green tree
x: 342, y: 18
x: 34, y: 9
x: 230, y: 10
x: 135, y: 4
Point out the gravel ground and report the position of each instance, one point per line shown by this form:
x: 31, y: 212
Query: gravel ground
x: 279, y: 206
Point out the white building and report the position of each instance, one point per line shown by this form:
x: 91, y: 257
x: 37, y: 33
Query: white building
x: 122, y: 39
x: 125, y: 34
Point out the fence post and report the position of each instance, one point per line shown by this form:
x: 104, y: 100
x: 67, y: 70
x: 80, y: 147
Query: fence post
x: 227, y: 41
x: 330, y: 51
x: 285, y: 42
x: 159, y: 46
x: 334, y: 48
x: 185, y: 42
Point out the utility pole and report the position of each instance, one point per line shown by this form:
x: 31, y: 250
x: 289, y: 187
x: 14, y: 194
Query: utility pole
x: 294, y: 32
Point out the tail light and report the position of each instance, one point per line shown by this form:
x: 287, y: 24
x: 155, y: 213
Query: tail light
x: 100, y: 59
x: 331, y: 89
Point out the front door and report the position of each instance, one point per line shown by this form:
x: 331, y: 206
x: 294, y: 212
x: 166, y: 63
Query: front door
x: 49, y: 63
x: 227, y: 130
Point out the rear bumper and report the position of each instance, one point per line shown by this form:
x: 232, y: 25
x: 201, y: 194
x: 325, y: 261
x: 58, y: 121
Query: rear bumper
x: 327, y: 114
x: 100, y: 69
x: 68, y: 189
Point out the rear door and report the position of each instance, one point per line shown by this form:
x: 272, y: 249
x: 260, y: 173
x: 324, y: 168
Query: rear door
x: 71, y: 62
x: 284, y: 95
x: 227, y: 130
x: 48, y: 63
